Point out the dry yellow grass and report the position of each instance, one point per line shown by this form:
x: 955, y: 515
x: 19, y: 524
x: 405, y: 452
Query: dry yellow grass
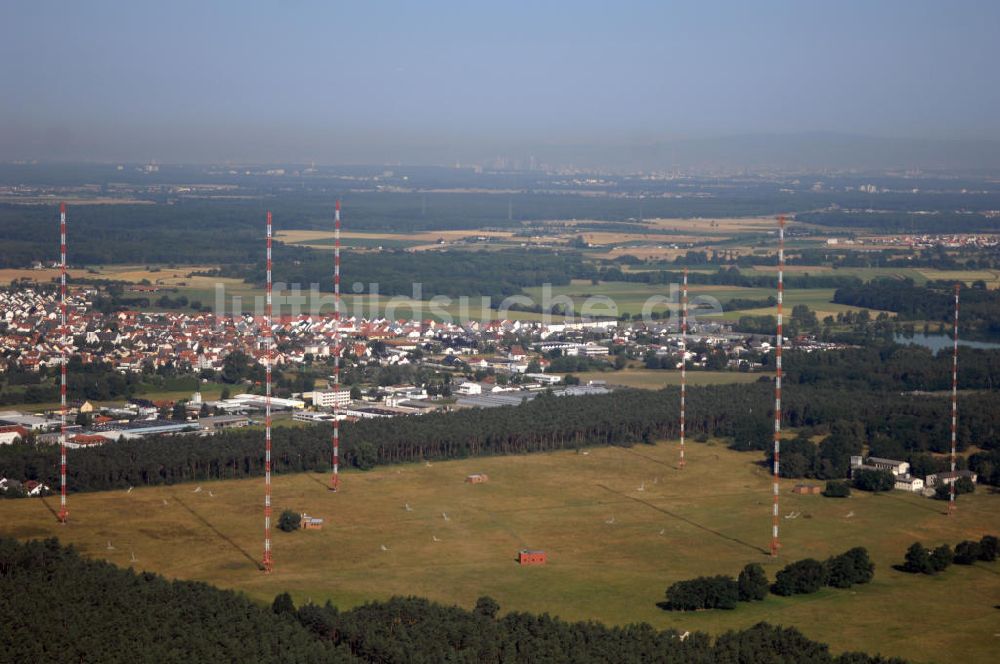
x: 167, y: 276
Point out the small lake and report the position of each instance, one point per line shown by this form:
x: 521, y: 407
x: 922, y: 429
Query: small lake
x: 938, y: 341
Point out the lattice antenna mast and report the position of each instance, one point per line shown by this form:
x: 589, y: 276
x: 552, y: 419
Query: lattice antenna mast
x: 954, y: 404
x: 269, y: 358
x: 335, y: 478
x: 63, y: 361
x: 684, y: 327
x: 779, y: 342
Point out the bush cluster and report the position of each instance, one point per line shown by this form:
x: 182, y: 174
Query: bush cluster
x: 874, y: 480
x: 809, y: 575
x: 289, y: 521
x: 704, y: 592
x: 718, y: 592
x: 801, y: 577
x: 836, y: 489
x: 921, y: 560
x: 963, y: 485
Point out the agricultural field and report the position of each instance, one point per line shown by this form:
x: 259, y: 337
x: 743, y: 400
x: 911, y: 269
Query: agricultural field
x: 716, y: 225
x: 670, y: 238
x: 417, y: 241
x: 619, y: 526
x: 631, y: 297
x: 45, y: 275
x: 991, y: 277
x: 817, y: 299
x: 605, y: 244
x: 863, y: 273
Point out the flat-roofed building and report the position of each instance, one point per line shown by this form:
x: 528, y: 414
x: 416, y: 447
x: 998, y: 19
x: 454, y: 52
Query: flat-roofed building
x: 331, y: 398
x: 531, y: 557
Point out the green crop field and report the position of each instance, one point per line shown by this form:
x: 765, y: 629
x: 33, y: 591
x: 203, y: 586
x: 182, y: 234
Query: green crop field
x: 619, y: 526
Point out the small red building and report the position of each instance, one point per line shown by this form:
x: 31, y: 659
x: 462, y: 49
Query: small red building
x: 531, y: 557
x: 88, y: 439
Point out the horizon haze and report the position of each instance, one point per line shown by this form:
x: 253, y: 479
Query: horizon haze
x: 645, y: 86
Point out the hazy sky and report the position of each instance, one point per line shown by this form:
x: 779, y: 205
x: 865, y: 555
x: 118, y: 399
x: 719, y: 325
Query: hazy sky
x: 361, y: 81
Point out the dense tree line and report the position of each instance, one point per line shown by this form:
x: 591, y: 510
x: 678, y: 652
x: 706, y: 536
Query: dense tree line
x: 937, y: 257
x: 969, y: 551
x: 987, y: 466
x: 92, y: 611
x: 894, y: 424
x: 107, y: 614
x: 809, y: 575
x: 980, y: 307
x: 903, y: 222
x: 837, y: 489
x: 101, y: 381
x: 703, y: 592
x: 452, y: 273
x: 212, y: 232
x: 873, y: 480
x: 893, y: 367
x: 847, y: 397
x: 737, y: 303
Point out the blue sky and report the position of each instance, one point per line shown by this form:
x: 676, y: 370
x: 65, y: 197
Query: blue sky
x: 313, y: 80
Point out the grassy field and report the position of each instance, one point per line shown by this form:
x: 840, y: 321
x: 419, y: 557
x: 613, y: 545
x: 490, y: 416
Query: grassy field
x: 991, y: 277
x: 630, y: 297
x: 648, y: 379
x: 619, y: 525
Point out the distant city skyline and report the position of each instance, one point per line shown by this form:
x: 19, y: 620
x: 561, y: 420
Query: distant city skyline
x: 437, y: 82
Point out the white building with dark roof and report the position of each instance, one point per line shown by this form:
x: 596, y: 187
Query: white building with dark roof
x: 949, y: 477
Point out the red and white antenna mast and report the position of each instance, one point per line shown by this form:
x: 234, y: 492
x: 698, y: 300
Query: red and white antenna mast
x: 64, y: 359
x: 684, y: 328
x: 777, y: 385
x: 335, y: 478
x: 269, y: 357
x: 954, y: 404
